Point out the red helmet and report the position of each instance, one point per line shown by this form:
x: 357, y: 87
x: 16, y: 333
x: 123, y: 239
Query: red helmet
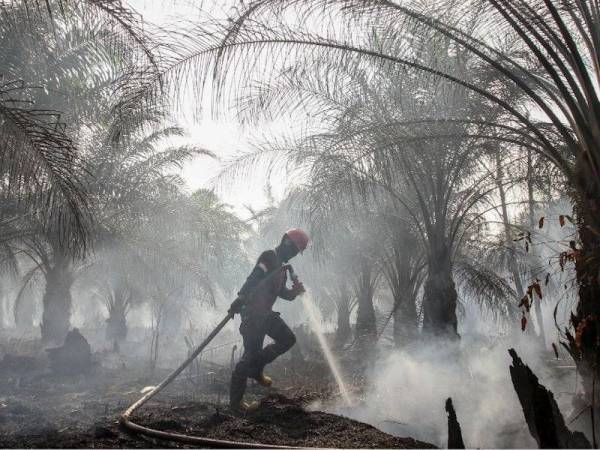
x: 299, y: 238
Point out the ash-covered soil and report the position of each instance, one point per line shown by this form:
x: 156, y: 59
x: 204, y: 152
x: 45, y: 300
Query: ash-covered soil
x: 64, y: 412
x: 278, y: 421
x: 41, y: 410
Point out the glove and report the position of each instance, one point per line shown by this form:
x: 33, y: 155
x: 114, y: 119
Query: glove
x: 297, y: 288
x: 237, y: 306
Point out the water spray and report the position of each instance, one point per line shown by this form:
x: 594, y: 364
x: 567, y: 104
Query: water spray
x: 315, y: 323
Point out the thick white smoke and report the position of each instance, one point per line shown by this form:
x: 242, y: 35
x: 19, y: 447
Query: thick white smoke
x: 408, y: 390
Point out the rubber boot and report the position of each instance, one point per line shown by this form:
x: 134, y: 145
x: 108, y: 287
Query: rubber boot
x: 236, y: 391
x: 264, y: 380
x: 248, y: 406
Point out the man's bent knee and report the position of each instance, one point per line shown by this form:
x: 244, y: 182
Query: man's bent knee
x: 289, y: 341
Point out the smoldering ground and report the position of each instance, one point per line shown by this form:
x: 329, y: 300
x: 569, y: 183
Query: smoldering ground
x: 408, y: 388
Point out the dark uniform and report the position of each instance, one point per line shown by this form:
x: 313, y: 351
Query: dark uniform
x: 260, y: 291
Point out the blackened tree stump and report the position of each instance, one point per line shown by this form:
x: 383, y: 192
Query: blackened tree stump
x: 544, y: 419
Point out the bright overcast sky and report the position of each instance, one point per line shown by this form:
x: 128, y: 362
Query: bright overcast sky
x: 225, y: 139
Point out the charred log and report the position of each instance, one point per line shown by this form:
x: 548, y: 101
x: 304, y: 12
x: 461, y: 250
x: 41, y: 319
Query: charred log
x: 56, y: 317
x: 544, y: 420
x: 455, y: 439
x: 73, y: 357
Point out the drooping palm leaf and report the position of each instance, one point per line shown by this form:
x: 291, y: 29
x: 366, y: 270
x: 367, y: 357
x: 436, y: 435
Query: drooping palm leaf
x: 486, y: 288
x: 41, y: 165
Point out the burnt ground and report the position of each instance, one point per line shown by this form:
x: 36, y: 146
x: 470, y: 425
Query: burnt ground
x: 279, y: 420
x: 39, y: 409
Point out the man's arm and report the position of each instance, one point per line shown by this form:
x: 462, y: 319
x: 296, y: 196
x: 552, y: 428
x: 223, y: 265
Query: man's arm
x: 265, y: 263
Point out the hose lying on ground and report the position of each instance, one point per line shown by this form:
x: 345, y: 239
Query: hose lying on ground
x: 126, y: 422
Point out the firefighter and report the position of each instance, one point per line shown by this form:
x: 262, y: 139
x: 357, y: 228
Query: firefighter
x: 254, y: 303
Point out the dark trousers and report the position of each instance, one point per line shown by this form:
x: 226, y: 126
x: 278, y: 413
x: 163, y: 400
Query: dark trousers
x: 254, y: 328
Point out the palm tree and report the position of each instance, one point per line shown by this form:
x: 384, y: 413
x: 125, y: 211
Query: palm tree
x: 41, y: 48
x: 48, y: 188
x: 548, y: 53
x: 403, y: 265
x: 418, y: 143
x: 130, y: 182
x: 346, y: 247
x: 60, y: 63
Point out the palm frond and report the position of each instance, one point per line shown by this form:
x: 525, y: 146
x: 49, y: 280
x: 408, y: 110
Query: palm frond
x: 40, y: 164
x: 127, y: 25
x: 26, y: 282
x: 487, y: 289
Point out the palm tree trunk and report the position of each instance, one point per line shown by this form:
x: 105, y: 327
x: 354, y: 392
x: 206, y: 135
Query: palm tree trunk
x: 56, y: 316
x: 366, y: 328
x: 403, y: 280
x: 343, y: 330
x: 405, y: 320
x: 585, y: 346
x: 440, y: 297
x: 156, y: 326
x: 116, y: 325
x: 365, y: 318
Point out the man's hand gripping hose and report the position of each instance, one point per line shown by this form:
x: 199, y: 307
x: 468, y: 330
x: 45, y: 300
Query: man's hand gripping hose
x: 297, y: 285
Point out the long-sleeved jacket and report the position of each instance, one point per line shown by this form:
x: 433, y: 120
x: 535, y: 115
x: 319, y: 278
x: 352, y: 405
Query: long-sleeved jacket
x: 265, y: 283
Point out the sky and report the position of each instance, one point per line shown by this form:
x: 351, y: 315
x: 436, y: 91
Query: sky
x: 224, y: 138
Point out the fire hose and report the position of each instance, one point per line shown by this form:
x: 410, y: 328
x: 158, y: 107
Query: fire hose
x: 125, y: 419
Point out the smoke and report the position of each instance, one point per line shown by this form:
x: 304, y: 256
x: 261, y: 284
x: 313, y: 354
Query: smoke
x: 408, y: 389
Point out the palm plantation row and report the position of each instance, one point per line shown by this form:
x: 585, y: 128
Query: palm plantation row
x: 97, y: 204
x: 432, y: 141
x: 440, y: 113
